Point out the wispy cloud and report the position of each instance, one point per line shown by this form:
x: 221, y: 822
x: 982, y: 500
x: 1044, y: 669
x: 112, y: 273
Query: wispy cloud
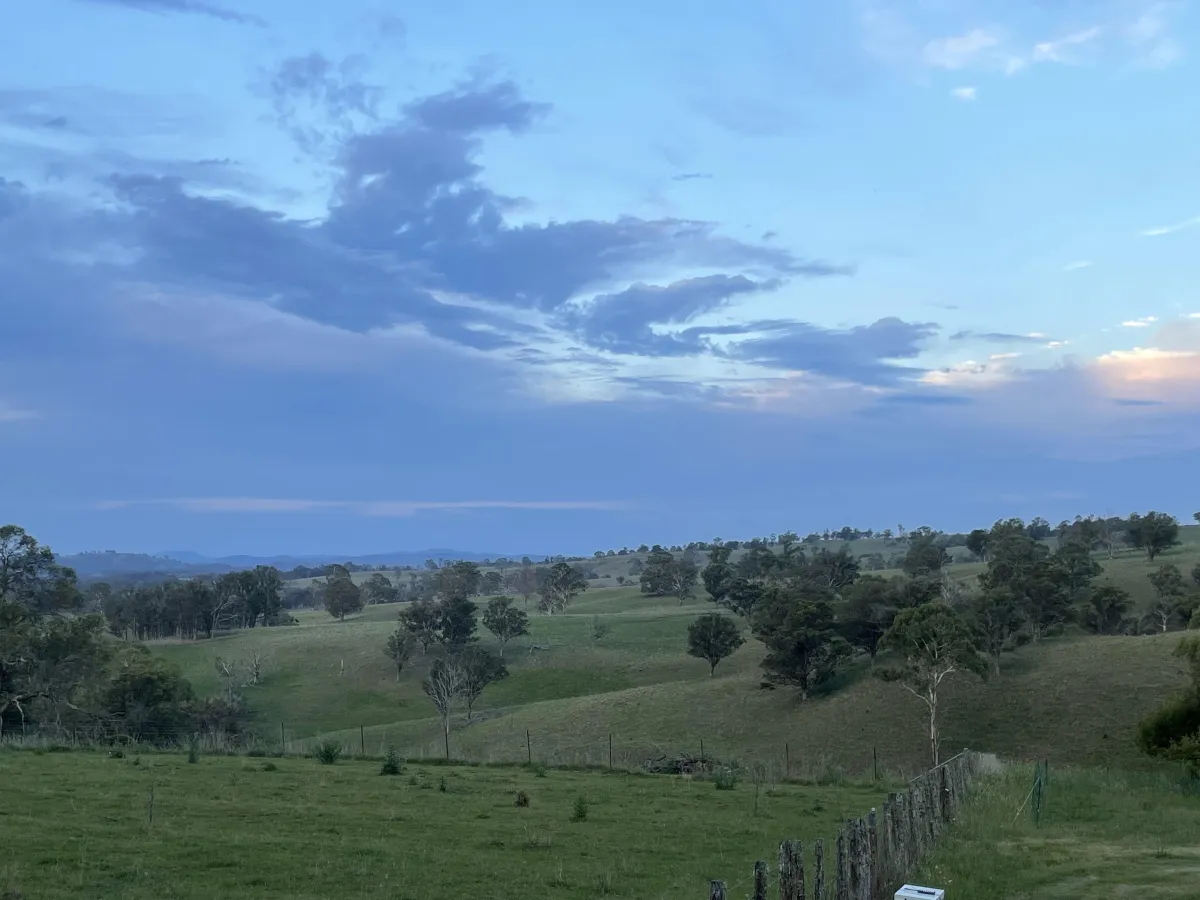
x: 1059, y: 51
x: 964, y: 93
x: 14, y: 414
x: 382, y: 508
x: 959, y: 51
x: 1171, y: 229
x: 1077, y: 265
x: 185, y: 6
x: 1143, y: 322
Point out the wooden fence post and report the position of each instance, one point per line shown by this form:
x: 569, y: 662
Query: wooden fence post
x: 944, y: 807
x: 791, y: 871
x: 873, y: 856
x: 760, y: 880
x: 819, y: 870
x: 840, y: 888
x: 716, y: 890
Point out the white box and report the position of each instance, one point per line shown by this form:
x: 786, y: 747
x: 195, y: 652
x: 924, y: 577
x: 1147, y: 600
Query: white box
x: 916, y: 892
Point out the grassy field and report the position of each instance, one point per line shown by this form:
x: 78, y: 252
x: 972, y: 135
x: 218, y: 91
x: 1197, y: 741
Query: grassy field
x: 1101, y: 834
x: 85, y: 825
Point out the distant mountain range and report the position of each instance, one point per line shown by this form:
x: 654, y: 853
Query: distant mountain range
x: 107, y: 563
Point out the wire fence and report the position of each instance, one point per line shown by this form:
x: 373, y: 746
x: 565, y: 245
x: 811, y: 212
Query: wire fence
x: 697, y: 757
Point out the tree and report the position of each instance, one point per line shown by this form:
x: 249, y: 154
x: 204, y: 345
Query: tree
x: 421, y: 619
x: 379, y: 589
x: 1076, y: 570
x: 340, y: 594
x: 656, y: 578
x: 870, y: 610
x: 457, y: 580
x: 442, y: 684
x: 803, y: 645
x: 977, y: 542
x: 834, y: 570
x: 713, y: 637
x: 743, y: 597
x: 925, y: 556
x: 684, y: 576
x: 934, y: 642
x: 479, y: 669
x: 492, y: 583
x: 399, y: 649
x: 1154, y: 533
x: 525, y: 583
x: 718, y: 574
x: 1196, y: 516
x: 505, y: 621
x: 1105, y: 613
x: 456, y: 622
x: 1173, y: 730
x: 562, y: 584
x: 997, y: 616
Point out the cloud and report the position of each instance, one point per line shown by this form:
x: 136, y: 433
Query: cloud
x: 10, y: 413
x: 691, y: 176
x: 960, y: 51
x: 1171, y: 229
x: 381, y: 508
x: 1143, y: 322
x: 184, y: 6
x: 999, y: 337
x: 1059, y: 50
x: 964, y: 93
x: 864, y: 354
x: 1077, y: 265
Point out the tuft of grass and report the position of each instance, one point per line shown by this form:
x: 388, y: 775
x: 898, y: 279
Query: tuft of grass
x: 327, y: 752
x: 521, y: 799
x: 443, y: 787
x: 579, y: 811
x: 391, y: 763
x: 725, y: 779
x: 269, y: 766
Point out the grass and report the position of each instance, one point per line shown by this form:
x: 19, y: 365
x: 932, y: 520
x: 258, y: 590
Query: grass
x: 1071, y: 700
x: 83, y: 824
x: 1101, y: 834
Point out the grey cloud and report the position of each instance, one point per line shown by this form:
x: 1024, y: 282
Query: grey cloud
x: 691, y: 176
x: 471, y: 109
x: 184, y: 6
x: 316, y: 100
x: 996, y: 337
x: 96, y: 112
x: 622, y: 323
x: 861, y: 354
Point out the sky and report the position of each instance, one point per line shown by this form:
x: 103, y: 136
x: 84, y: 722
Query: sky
x: 369, y: 276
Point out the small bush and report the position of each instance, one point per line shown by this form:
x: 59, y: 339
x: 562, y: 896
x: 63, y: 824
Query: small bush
x: 442, y: 786
x: 269, y: 766
x: 521, y: 800
x: 539, y: 769
x: 328, y: 752
x: 391, y: 763
x: 579, y: 812
x: 725, y: 779
x: 117, y: 753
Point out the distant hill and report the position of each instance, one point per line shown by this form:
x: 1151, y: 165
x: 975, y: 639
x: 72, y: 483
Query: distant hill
x: 109, y: 563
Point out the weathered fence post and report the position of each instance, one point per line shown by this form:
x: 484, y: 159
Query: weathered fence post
x: 819, y: 870
x: 791, y: 871
x: 716, y: 890
x: 944, y: 807
x: 528, y: 748
x: 873, y: 857
x: 760, y: 880
x: 841, y: 889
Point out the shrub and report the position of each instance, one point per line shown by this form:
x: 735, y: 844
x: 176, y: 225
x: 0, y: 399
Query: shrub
x: 391, y: 763
x: 521, y: 800
x: 725, y: 779
x: 328, y: 752
x: 579, y: 812
x: 269, y: 766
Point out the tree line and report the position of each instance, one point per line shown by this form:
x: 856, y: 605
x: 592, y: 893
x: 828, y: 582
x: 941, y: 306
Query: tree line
x: 59, y: 672
x: 813, y: 611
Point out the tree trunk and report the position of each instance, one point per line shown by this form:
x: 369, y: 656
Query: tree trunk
x: 446, y: 733
x: 996, y: 663
x: 933, y: 729
x: 712, y: 668
x: 399, y: 669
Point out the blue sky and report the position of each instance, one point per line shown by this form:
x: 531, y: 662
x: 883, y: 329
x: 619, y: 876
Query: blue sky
x: 353, y: 277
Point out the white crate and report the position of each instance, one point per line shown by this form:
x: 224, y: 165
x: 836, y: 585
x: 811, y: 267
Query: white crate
x: 916, y: 892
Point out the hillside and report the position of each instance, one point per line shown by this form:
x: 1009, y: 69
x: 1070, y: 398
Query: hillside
x: 1072, y: 699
